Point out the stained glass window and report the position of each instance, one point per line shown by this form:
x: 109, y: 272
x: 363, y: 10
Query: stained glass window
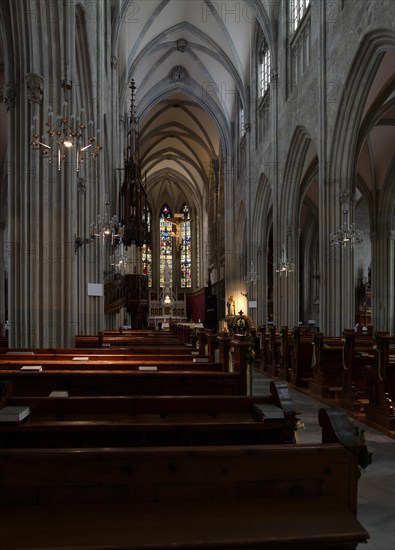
x: 166, y: 245
x: 186, y: 250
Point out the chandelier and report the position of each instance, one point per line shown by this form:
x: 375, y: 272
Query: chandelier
x: 251, y: 277
x: 346, y: 233
x: 106, y: 227
x: 284, y: 266
x: 66, y: 136
x: 119, y: 263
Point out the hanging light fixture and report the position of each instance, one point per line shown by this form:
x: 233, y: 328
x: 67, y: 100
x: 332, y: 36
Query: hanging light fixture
x: 66, y: 136
x: 106, y: 227
x: 346, y: 233
x: 251, y: 277
x: 119, y: 263
x: 284, y: 266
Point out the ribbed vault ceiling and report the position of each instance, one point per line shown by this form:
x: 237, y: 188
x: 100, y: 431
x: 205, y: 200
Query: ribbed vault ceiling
x: 190, y: 61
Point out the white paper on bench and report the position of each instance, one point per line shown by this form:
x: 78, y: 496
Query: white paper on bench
x: 195, y: 352
x: 80, y: 358
x: 34, y: 368
x: 148, y: 367
x: 59, y: 393
x: 20, y: 353
x: 200, y: 359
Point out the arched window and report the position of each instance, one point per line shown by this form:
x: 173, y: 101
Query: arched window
x: 242, y: 122
x: 186, y: 250
x: 166, y: 245
x: 264, y: 70
x: 146, y: 252
x: 297, y: 10
x: 299, y: 35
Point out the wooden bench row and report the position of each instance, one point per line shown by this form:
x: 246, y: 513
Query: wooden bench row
x: 234, y: 497
x: 355, y: 370
x: 127, y: 338
x: 151, y: 421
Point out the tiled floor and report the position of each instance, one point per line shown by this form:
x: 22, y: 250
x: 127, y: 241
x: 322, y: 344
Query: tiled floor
x: 376, y: 489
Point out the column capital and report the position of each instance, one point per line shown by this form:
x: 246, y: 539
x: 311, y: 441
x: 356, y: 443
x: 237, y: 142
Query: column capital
x: 9, y: 95
x: 114, y: 62
x: 35, y: 87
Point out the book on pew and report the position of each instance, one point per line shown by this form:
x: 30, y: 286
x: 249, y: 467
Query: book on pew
x: 20, y: 353
x: 195, y: 352
x: 13, y: 413
x: 59, y: 393
x: 148, y: 367
x: 200, y: 360
x: 32, y: 368
x: 268, y: 411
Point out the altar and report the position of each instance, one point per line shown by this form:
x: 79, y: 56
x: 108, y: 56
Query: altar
x: 165, y: 309
x: 165, y: 306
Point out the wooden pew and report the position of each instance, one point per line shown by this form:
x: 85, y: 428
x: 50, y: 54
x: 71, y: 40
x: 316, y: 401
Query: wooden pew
x: 381, y: 385
x: 262, y: 367
x: 151, y: 421
x: 327, y: 363
x: 112, y: 379
x: 285, y: 354
x: 107, y: 382
x: 273, y: 352
x: 128, y: 339
x: 121, y: 350
x: 302, y: 355
x: 210, y: 497
x: 358, y: 356
x: 100, y: 363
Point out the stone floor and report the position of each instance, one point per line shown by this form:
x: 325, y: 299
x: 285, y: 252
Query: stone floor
x: 376, y: 489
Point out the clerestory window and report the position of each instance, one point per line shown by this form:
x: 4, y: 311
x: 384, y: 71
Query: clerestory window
x: 264, y: 72
x: 297, y: 10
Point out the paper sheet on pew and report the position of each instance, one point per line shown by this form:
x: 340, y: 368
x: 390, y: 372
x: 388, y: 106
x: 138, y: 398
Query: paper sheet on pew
x: 20, y: 352
x: 32, y: 368
x: 59, y: 393
x: 81, y: 358
x: 148, y: 367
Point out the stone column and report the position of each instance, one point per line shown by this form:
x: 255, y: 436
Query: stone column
x: 10, y: 257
